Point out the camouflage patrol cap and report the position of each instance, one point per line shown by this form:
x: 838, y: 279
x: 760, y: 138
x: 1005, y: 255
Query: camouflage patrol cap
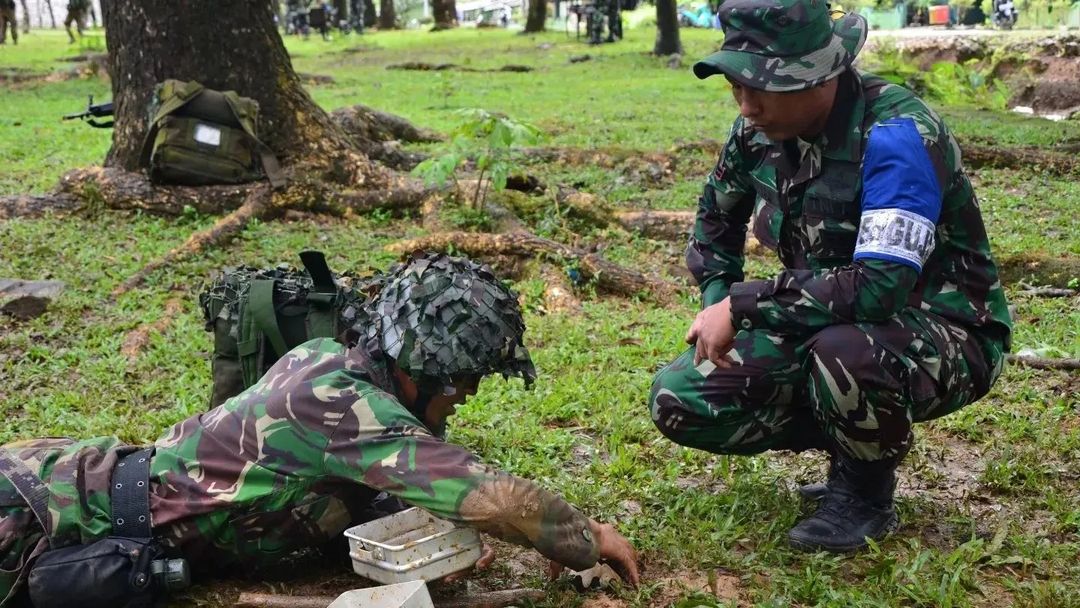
x: 783, y: 45
x: 441, y: 317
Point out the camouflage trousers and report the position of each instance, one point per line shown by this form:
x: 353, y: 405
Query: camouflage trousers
x: 857, y: 388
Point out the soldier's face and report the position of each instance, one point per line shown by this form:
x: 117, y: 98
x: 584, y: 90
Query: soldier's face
x: 782, y: 116
x: 444, y: 405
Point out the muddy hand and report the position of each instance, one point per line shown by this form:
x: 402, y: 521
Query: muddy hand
x: 487, y: 556
x: 617, y: 552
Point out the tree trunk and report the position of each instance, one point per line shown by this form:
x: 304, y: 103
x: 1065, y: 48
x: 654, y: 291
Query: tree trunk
x: 445, y: 14
x: 26, y: 18
x: 342, y: 8
x: 537, y: 16
x: 225, y: 46
x: 52, y: 15
x: 667, y: 28
x: 387, y: 15
x: 371, y: 17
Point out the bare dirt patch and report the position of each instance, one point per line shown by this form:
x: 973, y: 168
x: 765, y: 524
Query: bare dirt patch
x: 1042, y: 73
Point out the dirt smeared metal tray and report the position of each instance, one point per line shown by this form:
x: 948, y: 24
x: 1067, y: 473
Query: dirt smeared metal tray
x: 402, y: 595
x: 411, y: 545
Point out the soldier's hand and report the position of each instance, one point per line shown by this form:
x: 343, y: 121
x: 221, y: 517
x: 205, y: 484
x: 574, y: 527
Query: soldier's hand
x: 712, y: 334
x: 614, y: 550
x: 487, y: 557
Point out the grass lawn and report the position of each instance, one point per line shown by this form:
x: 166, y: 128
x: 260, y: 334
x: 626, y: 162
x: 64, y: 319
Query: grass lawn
x: 989, y: 498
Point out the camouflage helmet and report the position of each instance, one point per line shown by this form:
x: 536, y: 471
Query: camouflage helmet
x: 440, y: 318
x: 783, y: 45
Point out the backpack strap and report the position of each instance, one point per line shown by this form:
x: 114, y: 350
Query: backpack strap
x: 270, y: 163
x: 183, y: 92
x: 321, y: 318
x: 261, y: 310
x: 27, y: 483
x: 130, y: 495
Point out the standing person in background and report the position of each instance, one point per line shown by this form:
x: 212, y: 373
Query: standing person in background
x: 7, y: 19
x: 76, y: 13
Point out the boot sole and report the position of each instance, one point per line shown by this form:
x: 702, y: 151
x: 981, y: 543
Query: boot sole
x: 809, y: 547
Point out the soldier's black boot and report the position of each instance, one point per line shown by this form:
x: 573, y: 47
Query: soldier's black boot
x: 818, y: 489
x: 809, y: 436
x: 858, y: 504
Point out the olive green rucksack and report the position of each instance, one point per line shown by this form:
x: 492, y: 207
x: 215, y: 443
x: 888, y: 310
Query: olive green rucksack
x: 199, y: 136
x: 257, y: 315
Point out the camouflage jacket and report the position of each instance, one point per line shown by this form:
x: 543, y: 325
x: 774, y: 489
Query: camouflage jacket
x: 874, y: 215
x: 286, y: 465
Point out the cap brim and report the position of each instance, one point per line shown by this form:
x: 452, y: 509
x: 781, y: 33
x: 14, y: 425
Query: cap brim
x: 782, y: 74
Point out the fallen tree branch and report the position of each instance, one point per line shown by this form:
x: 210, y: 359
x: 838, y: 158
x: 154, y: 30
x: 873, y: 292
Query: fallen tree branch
x: 492, y: 599
x: 136, y: 340
x: 609, y: 277
x: 1043, y: 362
x: 274, y: 600
x: 257, y: 205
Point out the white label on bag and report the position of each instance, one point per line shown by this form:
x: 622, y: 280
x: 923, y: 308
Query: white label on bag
x: 205, y: 134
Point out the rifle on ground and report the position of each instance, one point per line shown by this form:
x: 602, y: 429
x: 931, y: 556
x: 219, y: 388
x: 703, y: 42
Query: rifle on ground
x: 94, y: 111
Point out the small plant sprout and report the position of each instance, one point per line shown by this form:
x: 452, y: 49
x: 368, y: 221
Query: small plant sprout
x: 490, y: 140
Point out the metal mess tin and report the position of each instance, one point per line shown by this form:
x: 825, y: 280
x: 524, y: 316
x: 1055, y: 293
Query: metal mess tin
x: 411, y: 545
x: 401, y: 595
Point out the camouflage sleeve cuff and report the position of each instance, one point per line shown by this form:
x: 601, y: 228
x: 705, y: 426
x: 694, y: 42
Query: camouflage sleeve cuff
x: 744, y: 304
x: 714, y: 292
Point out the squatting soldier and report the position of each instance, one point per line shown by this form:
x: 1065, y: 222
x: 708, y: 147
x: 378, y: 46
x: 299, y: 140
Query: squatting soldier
x: 76, y: 13
x: 888, y: 311
x: 302, y: 454
x: 7, y: 18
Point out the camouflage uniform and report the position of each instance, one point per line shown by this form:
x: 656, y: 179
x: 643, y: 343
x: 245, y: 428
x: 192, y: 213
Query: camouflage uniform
x: 76, y: 13
x: 870, y: 345
x: 295, y: 459
x: 889, y: 309
x: 289, y: 464
x: 7, y: 18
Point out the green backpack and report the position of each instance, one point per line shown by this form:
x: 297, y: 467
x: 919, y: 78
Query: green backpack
x: 199, y: 137
x: 257, y: 315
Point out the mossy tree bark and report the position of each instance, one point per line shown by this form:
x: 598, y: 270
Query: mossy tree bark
x: 667, y: 28
x: 537, y: 16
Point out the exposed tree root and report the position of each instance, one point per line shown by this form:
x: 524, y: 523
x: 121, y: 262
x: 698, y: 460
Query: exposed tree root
x: 1045, y: 292
x: 1044, y: 362
x: 609, y: 277
x: 256, y: 205
x: 36, y: 205
x: 656, y: 166
x: 423, y: 66
x: 558, y: 293
x: 1015, y: 157
x: 137, y: 339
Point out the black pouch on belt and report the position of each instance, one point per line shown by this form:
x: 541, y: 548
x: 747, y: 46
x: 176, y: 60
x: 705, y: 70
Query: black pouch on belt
x: 125, y: 570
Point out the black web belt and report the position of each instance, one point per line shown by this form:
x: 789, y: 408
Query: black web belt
x: 129, y: 494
